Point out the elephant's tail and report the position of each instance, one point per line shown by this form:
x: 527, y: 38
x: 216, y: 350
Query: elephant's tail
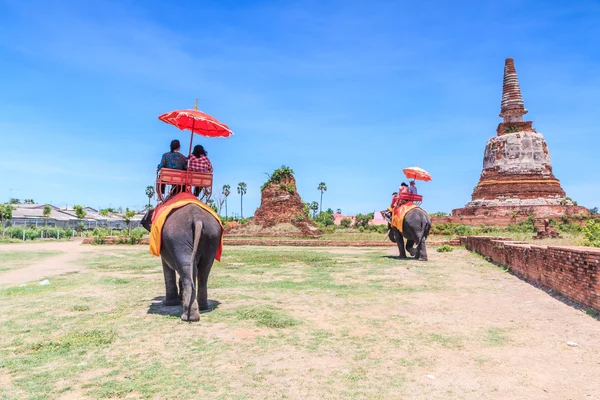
x: 193, y: 269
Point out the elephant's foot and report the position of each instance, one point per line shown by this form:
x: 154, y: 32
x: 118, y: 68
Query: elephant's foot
x: 194, y: 316
x: 204, y: 307
x: 412, y: 251
x: 172, y: 302
x: 422, y: 259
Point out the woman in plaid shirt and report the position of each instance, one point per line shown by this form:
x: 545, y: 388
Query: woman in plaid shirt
x: 199, y: 162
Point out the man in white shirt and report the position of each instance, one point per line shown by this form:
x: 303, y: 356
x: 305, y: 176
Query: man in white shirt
x: 412, y: 189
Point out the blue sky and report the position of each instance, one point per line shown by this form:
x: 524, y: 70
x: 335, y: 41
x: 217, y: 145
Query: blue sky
x: 344, y: 92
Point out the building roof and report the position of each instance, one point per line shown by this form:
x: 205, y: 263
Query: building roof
x: 37, y: 211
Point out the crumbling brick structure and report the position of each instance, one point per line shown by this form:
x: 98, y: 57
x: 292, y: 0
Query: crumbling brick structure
x: 517, y: 171
x: 572, y: 271
x: 280, y: 204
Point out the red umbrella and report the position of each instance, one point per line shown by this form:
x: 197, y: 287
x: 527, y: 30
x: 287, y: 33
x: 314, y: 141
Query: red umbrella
x: 197, y: 122
x: 417, y: 173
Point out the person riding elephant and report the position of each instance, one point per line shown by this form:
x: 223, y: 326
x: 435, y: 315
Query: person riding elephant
x: 189, y: 243
x: 415, y: 229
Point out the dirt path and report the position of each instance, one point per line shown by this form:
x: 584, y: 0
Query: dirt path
x: 47, y: 267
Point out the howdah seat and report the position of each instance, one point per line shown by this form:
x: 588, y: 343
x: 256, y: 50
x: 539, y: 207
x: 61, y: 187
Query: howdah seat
x: 183, y: 181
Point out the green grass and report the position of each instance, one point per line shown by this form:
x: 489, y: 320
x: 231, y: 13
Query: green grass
x: 18, y: 259
x: 496, y: 337
x: 267, y: 316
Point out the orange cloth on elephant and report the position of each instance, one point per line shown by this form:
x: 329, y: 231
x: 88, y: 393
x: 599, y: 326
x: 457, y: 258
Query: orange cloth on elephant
x: 399, y: 212
x: 162, y: 212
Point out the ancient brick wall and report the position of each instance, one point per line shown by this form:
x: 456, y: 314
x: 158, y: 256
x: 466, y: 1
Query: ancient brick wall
x: 570, y: 270
x: 507, y: 212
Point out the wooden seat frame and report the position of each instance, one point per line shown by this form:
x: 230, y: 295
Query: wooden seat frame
x: 415, y: 198
x: 183, y: 181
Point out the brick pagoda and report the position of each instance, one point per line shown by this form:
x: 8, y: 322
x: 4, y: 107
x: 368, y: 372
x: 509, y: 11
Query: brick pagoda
x: 517, y: 173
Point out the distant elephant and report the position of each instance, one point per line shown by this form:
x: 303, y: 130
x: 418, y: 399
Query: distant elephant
x: 190, y: 239
x: 415, y: 229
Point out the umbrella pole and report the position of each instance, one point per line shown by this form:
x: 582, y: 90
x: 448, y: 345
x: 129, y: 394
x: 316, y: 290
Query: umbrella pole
x: 191, y: 140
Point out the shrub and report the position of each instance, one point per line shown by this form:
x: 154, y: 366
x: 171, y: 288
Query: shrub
x: 135, y: 236
x: 31, y: 234
x: 99, y: 234
x: 591, y: 234
x: 382, y: 228
x: 463, y: 230
x: 298, y: 218
x: 362, y: 220
x: 445, y: 248
x: 346, y: 222
x: 324, y: 218
x: 278, y: 175
x: 523, y: 226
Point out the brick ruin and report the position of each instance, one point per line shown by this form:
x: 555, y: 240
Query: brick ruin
x: 569, y: 270
x: 281, y: 213
x: 517, y: 173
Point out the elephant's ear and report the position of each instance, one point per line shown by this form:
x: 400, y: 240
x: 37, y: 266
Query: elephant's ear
x: 146, y: 221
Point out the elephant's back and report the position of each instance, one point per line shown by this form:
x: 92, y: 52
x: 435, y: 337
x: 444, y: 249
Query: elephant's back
x: 184, y: 219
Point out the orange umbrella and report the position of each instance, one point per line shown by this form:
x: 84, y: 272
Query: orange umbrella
x: 417, y: 174
x: 197, y: 122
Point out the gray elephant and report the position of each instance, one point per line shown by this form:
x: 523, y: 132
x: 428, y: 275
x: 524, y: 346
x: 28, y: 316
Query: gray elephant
x: 415, y: 229
x: 190, y: 240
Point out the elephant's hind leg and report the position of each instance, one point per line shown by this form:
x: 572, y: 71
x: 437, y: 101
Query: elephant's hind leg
x: 421, y: 251
x: 188, y: 297
x: 204, y: 267
x: 172, y: 297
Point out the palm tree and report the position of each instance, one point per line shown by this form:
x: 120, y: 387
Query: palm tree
x: 149, y: 193
x: 323, y: 188
x: 241, y: 189
x: 226, y: 191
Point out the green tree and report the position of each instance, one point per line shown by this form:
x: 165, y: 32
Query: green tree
x: 241, y: 189
x: 46, y: 213
x: 211, y: 204
x: 104, y: 212
x: 346, y: 222
x: 80, y: 213
x: 149, y: 193
x: 5, y: 214
x: 28, y: 201
x: 226, y: 191
x: 127, y: 218
x: 329, y: 211
x: 363, y: 219
x: 14, y: 201
x: 338, y: 211
x: 323, y: 188
x: 314, y: 206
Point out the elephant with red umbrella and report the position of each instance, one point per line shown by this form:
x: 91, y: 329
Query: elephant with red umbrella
x: 409, y: 221
x: 185, y: 232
